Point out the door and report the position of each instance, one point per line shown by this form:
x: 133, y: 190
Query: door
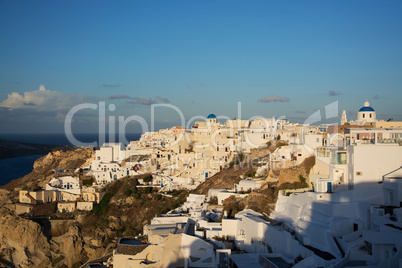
x: 329, y: 186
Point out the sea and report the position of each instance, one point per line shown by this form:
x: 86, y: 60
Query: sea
x: 17, y: 167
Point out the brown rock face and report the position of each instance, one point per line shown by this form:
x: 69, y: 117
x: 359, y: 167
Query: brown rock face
x: 224, y: 179
x: 22, y: 242
x: 291, y: 175
x: 72, y: 247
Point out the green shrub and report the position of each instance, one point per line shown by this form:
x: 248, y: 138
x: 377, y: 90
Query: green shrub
x: 232, y: 209
x: 103, y: 205
x: 148, y: 178
x: 251, y: 174
x: 128, y: 192
x: 88, y: 182
x: 148, y: 190
x: 163, y: 211
x: 303, y: 181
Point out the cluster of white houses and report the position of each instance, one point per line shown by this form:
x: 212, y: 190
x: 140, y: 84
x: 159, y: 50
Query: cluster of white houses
x: 351, y: 228
x: 66, y: 191
x: 351, y: 216
x: 184, y: 158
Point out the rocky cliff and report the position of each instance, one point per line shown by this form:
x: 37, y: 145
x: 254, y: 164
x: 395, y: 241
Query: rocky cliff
x: 39, y: 241
x: 292, y: 175
x: 23, y: 243
x: 45, y: 166
x: 70, y: 239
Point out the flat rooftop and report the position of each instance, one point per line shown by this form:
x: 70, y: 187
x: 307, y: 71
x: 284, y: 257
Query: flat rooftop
x: 129, y: 241
x: 129, y: 246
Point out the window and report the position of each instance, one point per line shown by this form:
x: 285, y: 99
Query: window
x: 364, y: 115
x: 370, y: 115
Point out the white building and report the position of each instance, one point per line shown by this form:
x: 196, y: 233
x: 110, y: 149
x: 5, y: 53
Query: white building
x: 248, y: 185
x: 65, y: 184
x: 353, y: 226
x: 370, y: 158
x: 365, y: 116
x: 107, y: 164
x: 367, y: 154
x: 177, y: 250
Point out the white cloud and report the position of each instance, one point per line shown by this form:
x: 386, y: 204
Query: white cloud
x: 274, y: 98
x: 44, y: 99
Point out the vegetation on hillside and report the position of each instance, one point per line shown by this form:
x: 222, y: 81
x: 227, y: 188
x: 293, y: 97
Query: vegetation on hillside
x: 130, y: 206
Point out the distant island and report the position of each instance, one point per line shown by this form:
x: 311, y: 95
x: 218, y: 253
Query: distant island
x: 9, y: 149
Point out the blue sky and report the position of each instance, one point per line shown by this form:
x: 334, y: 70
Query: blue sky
x: 200, y: 56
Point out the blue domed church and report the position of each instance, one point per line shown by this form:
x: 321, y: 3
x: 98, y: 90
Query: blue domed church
x: 211, y: 118
x: 366, y: 114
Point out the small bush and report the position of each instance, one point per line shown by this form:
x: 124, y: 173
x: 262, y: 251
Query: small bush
x: 148, y: 190
x: 128, y: 192
x: 88, y: 182
x: 251, y: 174
x: 103, y: 205
x: 213, y: 200
x: 163, y: 211
x: 232, y: 209
x: 148, y: 178
x: 174, y: 192
x: 303, y: 181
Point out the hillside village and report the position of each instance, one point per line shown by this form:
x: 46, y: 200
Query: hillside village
x: 338, y: 203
